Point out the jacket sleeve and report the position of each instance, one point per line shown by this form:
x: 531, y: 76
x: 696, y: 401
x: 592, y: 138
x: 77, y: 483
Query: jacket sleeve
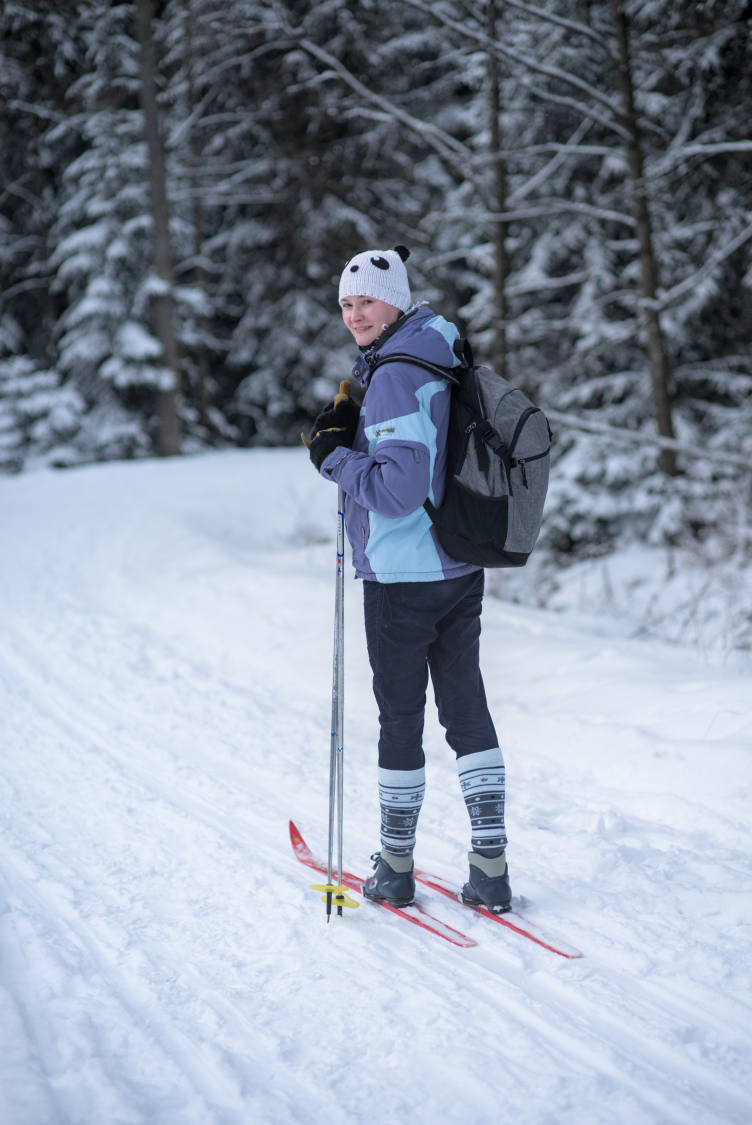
x: 394, y: 477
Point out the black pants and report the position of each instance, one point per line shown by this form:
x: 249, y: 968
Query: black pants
x: 412, y: 627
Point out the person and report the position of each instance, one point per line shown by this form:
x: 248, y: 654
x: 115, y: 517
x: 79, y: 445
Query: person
x: 422, y: 608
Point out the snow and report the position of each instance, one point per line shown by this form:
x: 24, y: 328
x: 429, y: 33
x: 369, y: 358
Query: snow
x: 671, y: 594
x: 134, y: 342
x: 165, y: 665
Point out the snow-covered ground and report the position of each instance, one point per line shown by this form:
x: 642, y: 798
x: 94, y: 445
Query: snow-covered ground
x: 165, y: 662
x: 700, y: 598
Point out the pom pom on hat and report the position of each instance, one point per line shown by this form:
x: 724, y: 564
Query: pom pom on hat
x: 380, y: 274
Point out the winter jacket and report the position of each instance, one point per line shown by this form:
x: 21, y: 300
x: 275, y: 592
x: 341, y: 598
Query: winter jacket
x: 398, y: 458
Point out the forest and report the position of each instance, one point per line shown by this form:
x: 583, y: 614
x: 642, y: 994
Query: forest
x: 182, y: 182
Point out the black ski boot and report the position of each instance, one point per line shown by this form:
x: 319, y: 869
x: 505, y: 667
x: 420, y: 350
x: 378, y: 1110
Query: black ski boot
x: 488, y: 884
x: 393, y: 879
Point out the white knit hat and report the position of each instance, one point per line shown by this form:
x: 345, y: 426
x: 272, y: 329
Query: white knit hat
x: 380, y: 274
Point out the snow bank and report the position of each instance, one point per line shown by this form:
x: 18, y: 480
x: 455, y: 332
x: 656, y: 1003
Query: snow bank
x: 698, y: 598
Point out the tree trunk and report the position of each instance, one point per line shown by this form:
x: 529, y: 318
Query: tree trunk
x: 500, y: 230
x: 199, y: 272
x: 660, y: 365
x: 168, y: 438
x: 49, y: 317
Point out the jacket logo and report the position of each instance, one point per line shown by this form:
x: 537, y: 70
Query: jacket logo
x: 383, y: 430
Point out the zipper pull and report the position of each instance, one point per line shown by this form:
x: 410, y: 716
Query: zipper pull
x: 521, y: 463
x: 364, y: 537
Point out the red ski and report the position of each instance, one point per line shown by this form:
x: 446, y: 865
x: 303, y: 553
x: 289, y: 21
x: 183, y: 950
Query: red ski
x: 414, y: 913
x: 512, y: 920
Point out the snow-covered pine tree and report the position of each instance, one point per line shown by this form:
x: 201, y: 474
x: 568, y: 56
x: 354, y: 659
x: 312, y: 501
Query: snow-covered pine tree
x: 103, y: 251
x: 688, y: 75
x: 586, y: 348
x: 161, y: 301
x: 578, y: 323
x: 39, y: 54
x: 290, y: 177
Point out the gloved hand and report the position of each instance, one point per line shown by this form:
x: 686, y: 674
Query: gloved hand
x: 342, y: 414
x: 324, y: 443
x: 335, y: 426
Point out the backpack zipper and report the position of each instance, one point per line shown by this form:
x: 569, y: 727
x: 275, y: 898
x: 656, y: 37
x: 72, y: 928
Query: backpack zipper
x: 522, y: 461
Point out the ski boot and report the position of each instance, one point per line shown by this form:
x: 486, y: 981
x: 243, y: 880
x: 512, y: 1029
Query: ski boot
x: 393, y: 879
x: 488, y: 884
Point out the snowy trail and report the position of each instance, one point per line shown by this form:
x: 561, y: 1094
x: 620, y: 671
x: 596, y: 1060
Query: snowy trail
x: 165, y: 663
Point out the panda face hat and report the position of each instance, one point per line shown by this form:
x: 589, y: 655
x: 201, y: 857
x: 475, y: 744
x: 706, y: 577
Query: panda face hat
x: 380, y: 274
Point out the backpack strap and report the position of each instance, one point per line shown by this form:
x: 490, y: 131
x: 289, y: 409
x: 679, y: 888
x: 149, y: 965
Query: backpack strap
x: 484, y: 427
x: 434, y: 368
x: 464, y: 352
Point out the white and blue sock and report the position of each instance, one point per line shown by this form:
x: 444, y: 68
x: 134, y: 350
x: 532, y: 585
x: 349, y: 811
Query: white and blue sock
x: 483, y: 784
x: 401, y: 796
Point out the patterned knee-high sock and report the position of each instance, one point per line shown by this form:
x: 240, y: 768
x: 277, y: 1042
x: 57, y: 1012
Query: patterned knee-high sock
x: 401, y: 795
x: 482, y: 783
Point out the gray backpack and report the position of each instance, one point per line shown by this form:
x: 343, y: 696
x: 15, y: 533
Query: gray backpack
x: 498, y: 460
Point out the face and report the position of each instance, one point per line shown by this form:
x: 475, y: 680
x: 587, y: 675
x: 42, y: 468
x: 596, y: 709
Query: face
x: 366, y: 317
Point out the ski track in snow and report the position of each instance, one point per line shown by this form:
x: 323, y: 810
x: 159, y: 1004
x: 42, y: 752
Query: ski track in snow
x: 165, y: 677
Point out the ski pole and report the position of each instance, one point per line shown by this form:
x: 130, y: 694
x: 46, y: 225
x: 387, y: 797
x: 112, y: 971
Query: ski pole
x: 336, y: 892
x: 338, y: 707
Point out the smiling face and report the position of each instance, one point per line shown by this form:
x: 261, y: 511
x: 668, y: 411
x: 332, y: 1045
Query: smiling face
x: 366, y: 317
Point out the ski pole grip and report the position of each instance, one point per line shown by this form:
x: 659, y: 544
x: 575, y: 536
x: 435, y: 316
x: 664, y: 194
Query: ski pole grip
x: 345, y: 388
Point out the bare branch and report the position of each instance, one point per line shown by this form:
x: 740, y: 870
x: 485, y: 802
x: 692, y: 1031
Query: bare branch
x: 227, y: 64
x: 27, y: 196
x: 550, y: 207
x: 682, y: 152
x: 572, y: 103
x: 447, y: 146
x: 217, y: 197
x: 547, y: 283
x: 531, y: 64
x: 691, y: 282
x: 525, y: 189
x: 24, y: 286
x: 187, y: 124
x: 546, y: 328
x: 616, y: 432
x: 572, y: 25
x: 567, y: 148
x: 38, y: 111
x: 446, y: 139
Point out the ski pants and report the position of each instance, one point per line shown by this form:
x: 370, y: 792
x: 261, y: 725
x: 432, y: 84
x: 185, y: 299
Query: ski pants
x: 413, y: 628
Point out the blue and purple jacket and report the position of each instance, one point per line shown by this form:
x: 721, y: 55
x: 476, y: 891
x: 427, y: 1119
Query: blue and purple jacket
x: 398, y: 458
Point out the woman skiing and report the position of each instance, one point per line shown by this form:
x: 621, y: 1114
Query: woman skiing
x: 422, y: 608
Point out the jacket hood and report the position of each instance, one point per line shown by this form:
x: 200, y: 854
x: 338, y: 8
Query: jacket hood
x: 421, y: 333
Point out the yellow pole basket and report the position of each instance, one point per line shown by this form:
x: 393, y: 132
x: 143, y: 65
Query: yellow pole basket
x: 339, y: 895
